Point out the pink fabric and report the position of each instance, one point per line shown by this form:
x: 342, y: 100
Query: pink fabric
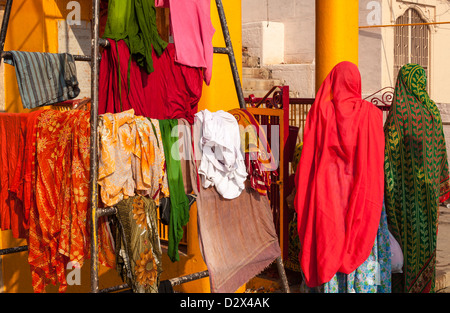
x: 171, y: 91
x: 192, y: 31
x: 339, y: 179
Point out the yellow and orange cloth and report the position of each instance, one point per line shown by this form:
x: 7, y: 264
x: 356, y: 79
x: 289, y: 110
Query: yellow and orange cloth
x: 259, y: 160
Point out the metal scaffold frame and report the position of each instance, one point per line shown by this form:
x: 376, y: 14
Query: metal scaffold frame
x: 95, y: 211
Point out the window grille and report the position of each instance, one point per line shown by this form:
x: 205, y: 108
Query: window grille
x: 411, y: 42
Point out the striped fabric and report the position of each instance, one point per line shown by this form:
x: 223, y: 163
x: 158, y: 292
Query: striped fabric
x: 44, y: 78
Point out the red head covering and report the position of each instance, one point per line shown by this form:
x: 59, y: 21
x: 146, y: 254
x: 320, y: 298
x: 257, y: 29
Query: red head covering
x: 339, y: 179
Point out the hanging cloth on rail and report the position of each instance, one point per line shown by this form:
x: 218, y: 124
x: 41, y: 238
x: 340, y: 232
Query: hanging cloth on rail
x: 44, y: 78
x: 12, y: 143
x: 138, y: 251
x: 131, y: 158
x: 222, y: 163
x: 23, y: 185
x: 190, y: 22
x: 179, y: 202
x: 237, y: 237
x: 171, y: 91
x: 59, y: 232
x: 259, y: 160
x: 134, y: 21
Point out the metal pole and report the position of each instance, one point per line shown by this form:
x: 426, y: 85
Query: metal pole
x: 5, y: 23
x: 93, y: 143
x: 229, y: 46
x: 283, y: 276
x: 13, y: 250
x: 191, y: 277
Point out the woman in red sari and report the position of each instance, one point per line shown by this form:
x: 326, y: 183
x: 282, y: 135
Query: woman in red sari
x: 339, y: 179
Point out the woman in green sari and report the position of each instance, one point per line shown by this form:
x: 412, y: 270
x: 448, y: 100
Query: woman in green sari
x: 416, y: 178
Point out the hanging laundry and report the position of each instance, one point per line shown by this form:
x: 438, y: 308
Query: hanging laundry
x: 259, y: 160
x: 12, y: 147
x: 192, y: 30
x: 171, y: 91
x: 138, y: 250
x: 131, y: 158
x: 44, y: 78
x: 134, y: 21
x: 59, y: 231
x: 222, y: 162
x: 237, y: 237
x: 179, y: 202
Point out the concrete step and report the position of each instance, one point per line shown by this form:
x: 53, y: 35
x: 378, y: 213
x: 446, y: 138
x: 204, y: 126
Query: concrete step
x: 256, y: 72
x: 253, y: 84
x: 250, y: 61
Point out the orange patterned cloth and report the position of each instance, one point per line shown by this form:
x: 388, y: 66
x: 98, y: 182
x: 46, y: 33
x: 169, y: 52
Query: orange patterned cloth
x: 59, y: 231
x: 131, y: 158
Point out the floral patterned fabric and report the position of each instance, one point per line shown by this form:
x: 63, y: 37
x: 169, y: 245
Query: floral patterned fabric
x: 138, y: 249
x: 131, y: 158
x: 58, y: 230
x: 373, y: 276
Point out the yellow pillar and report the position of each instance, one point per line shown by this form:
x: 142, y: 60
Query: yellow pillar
x: 336, y: 35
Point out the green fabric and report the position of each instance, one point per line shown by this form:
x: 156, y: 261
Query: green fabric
x: 134, y: 21
x: 179, y: 202
x: 416, y: 178
x: 138, y: 251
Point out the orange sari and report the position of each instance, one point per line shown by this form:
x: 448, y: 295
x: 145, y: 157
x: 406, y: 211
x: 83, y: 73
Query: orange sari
x: 59, y: 231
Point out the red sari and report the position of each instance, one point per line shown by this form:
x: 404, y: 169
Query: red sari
x: 59, y: 230
x: 339, y: 179
x: 16, y: 159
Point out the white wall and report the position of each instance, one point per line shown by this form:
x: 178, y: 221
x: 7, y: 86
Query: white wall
x: 298, y: 17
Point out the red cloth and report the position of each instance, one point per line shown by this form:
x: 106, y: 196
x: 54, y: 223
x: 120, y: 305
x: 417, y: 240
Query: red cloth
x: 171, y: 91
x: 11, y: 142
x: 16, y: 158
x: 339, y: 179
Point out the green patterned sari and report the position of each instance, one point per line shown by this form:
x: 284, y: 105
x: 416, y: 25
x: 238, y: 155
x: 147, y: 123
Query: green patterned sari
x: 416, y: 178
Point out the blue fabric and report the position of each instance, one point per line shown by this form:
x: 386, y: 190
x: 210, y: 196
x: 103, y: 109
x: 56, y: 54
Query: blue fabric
x: 373, y: 276
x: 44, y: 78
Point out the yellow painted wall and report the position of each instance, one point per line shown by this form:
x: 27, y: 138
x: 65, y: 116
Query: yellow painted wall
x: 336, y: 35
x: 221, y: 94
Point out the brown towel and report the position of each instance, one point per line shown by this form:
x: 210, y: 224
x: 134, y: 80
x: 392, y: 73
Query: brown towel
x: 237, y: 237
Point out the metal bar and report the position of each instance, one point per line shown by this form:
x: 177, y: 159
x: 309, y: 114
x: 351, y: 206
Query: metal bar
x: 173, y: 281
x: 13, y: 250
x: 106, y: 211
x: 221, y: 50
x: 234, y: 70
x: 84, y: 58
x: 185, y: 279
x: 114, y: 288
x: 5, y: 23
x: 93, y: 195
x: 407, y: 24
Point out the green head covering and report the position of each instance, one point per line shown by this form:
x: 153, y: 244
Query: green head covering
x: 412, y: 82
